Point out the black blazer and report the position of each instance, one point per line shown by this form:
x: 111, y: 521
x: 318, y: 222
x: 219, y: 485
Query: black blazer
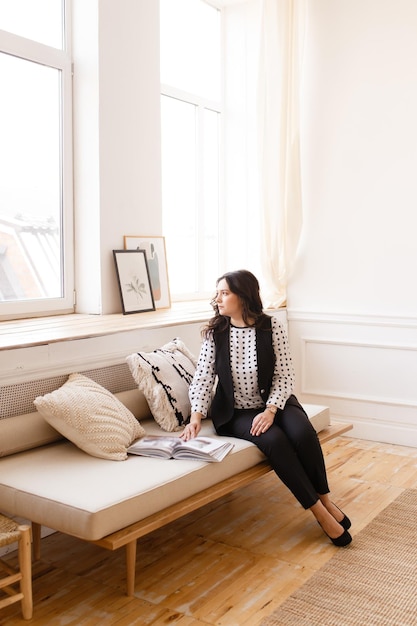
x: 222, y: 406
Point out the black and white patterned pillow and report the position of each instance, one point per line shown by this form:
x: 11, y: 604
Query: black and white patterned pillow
x: 164, y: 376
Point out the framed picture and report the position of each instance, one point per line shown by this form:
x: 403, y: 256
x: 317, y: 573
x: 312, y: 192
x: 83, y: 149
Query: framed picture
x: 157, y: 264
x: 134, y: 281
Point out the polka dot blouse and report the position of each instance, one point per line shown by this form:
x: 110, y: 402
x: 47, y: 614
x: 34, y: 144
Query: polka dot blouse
x: 244, y: 370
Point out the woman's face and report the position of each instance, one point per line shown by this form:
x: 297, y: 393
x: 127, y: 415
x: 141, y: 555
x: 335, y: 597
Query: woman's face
x: 228, y: 302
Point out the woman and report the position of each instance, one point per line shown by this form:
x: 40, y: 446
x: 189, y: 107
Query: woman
x: 247, y: 352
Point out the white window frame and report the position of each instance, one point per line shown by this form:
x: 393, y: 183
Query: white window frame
x: 201, y: 104
x: 49, y: 56
x: 218, y: 106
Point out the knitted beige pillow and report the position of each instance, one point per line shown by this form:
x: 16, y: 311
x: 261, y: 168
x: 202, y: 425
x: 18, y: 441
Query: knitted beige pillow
x: 91, y: 417
x: 164, y: 376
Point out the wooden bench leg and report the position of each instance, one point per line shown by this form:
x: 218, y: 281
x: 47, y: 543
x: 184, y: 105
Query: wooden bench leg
x: 36, y: 538
x: 130, y: 567
x: 25, y: 565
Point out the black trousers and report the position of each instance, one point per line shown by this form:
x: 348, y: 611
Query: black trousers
x: 292, y: 447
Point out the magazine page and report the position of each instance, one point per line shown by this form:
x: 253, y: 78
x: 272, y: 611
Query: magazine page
x: 199, y: 448
x: 155, y: 446
x: 203, y: 448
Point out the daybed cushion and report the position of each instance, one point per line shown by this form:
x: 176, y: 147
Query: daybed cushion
x: 90, y: 497
x: 65, y: 489
x: 24, y: 432
x: 164, y: 376
x: 91, y: 417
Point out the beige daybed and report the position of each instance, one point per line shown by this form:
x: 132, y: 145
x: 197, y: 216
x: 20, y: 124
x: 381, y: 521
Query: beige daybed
x: 47, y: 480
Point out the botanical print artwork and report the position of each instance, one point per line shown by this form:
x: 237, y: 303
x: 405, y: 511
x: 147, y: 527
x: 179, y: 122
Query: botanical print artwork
x: 154, y: 248
x: 136, y: 287
x: 134, y: 282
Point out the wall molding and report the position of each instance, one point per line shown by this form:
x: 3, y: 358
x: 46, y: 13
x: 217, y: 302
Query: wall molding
x: 363, y: 367
x: 307, y: 366
x: 363, y: 319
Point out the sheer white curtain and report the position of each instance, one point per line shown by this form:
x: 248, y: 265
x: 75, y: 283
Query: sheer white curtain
x: 280, y: 59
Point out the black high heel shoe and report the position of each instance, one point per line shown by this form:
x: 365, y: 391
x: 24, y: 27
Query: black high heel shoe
x: 345, y: 522
x: 343, y: 540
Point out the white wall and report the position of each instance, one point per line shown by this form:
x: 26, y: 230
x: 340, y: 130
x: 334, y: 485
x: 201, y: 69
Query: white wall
x: 117, y: 172
x: 359, y: 158
x: 64, y: 357
x: 352, y: 303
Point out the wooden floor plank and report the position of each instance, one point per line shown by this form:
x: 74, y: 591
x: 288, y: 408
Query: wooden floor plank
x: 230, y: 563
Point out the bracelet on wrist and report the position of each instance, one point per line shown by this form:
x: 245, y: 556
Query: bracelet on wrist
x: 272, y: 408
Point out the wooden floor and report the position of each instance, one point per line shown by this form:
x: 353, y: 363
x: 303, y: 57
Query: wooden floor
x: 229, y: 564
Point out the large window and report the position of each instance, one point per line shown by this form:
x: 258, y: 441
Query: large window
x: 191, y: 113
x: 36, y: 273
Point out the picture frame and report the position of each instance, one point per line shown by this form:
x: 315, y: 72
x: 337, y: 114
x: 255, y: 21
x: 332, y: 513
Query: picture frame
x: 134, y: 281
x: 157, y: 264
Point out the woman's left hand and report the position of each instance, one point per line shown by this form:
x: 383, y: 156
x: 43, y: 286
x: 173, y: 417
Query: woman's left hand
x: 261, y: 423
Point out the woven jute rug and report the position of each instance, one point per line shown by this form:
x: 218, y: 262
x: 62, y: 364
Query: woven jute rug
x: 371, y: 582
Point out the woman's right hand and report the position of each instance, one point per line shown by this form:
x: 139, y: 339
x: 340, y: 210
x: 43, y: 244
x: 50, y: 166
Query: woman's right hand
x: 192, y: 429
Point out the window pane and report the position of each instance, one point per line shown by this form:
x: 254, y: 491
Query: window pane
x: 190, y: 212
x: 179, y: 193
x: 30, y: 181
x: 191, y: 110
x: 21, y: 17
x: 210, y: 243
x: 190, y: 47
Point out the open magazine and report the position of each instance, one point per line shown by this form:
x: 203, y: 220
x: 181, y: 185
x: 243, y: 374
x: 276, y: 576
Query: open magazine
x: 198, y: 449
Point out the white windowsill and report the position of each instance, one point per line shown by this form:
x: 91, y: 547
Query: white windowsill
x: 44, y: 330
x: 39, y: 331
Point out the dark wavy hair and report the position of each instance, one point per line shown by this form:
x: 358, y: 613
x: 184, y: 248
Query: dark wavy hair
x: 246, y: 286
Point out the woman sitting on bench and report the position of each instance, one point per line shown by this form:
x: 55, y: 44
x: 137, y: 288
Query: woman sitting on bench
x: 247, y: 352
